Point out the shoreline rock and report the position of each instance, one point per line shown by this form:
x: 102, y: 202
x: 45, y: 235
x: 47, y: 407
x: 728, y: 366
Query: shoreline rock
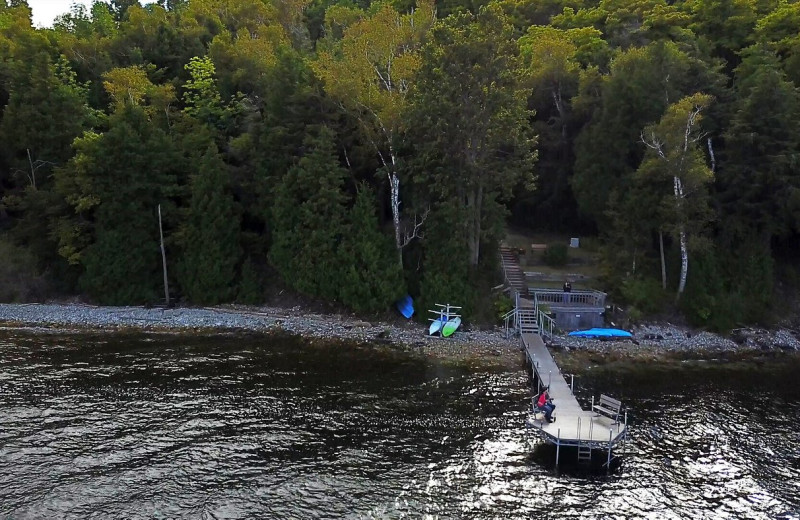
x: 651, y: 340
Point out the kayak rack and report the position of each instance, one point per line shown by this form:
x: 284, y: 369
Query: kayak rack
x: 442, y: 315
x: 443, y: 311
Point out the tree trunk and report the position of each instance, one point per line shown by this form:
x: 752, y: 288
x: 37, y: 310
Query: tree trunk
x: 163, y: 258
x: 394, y: 197
x: 474, y: 200
x: 472, y: 239
x: 478, y: 215
x: 663, y: 264
x: 679, y: 195
x: 684, y: 263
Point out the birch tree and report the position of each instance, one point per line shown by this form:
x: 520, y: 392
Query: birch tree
x: 675, y: 153
x: 369, y: 73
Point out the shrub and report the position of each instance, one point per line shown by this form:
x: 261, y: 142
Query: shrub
x: 556, y: 255
x: 502, y: 305
x: 645, y: 294
x: 18, y: 280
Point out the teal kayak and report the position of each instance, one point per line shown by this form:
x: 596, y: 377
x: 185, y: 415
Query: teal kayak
x: 598, y: 332
x: 437, y: 325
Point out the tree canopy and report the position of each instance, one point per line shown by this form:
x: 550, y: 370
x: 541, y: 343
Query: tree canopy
x: 353, y: 151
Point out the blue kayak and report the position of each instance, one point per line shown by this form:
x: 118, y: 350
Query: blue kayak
x: 601, y: 333
x: 406, y: 306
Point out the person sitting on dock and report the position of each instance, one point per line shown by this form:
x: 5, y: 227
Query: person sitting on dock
x: 545, y: 404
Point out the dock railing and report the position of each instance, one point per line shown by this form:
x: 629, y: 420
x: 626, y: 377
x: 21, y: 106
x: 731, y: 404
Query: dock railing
x: 580, y: 297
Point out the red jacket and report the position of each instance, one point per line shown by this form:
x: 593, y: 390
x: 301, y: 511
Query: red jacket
x: 542, y: 399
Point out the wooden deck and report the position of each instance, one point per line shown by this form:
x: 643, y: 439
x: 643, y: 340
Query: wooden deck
x: 573, y: 426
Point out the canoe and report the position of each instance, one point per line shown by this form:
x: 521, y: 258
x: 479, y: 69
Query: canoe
x: 450, y: 327
x: 598, y: 332
x: 406, y: 306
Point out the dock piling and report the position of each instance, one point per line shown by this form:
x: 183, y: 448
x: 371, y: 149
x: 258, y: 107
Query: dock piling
x: 558, y: 445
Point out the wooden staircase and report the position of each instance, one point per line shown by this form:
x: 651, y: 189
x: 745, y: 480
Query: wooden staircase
x: 514, y: 275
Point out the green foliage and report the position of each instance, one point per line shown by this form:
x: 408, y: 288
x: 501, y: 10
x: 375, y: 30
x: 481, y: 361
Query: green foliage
x: 726, y: 291
x: 308, y: 220
x: 556, y: 255
x: 372, y: 278
x: 707, y: 301
x: 502, y: 306
x: 115, y: 182
x: 764, y: 146
x: 18, y: 279
x: 636, y: 93
x: 250, y: 287
x: 200, y: 94
x: 108, y: 114
x: 474, y: 156
x: 447, y: 273
x: 645, y: 294
x: 209, y: 237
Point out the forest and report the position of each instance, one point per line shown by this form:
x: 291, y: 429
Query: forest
x: 354, y: 151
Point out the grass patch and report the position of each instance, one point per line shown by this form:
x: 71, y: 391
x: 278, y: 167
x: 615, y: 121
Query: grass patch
x: 581, y: 267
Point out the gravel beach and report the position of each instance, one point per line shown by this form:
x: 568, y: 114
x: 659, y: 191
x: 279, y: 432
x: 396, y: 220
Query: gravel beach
x: 464, y: 343
x: 650, y: 339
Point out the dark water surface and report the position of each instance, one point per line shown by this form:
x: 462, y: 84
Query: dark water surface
x: 149, y: 426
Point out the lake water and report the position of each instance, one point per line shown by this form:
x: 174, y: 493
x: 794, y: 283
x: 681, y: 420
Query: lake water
x: 159, y: 426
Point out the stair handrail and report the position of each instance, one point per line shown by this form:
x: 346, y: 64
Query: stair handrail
x: 507, y: 317
x: 546, y: 323
x: 505, y: 272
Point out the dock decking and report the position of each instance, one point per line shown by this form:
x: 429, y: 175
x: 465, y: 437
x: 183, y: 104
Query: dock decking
x: 573, y: 426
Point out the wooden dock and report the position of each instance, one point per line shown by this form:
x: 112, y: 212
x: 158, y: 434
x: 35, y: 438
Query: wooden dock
x: 574, y: 426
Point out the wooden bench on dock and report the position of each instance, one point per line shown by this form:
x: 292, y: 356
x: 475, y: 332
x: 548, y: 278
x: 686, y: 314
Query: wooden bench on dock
x: 608, y: 406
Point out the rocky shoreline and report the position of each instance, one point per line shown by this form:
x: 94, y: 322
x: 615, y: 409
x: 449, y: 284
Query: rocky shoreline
x: 651, y: 340
x: 266, y: 320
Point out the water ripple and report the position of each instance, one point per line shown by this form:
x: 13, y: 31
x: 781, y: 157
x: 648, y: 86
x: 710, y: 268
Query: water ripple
x: 172, y: 427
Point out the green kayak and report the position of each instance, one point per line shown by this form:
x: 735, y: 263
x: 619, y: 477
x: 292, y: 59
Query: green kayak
x: 451, y: 326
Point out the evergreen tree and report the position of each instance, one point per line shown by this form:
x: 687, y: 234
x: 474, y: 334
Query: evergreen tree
x: 446, y: 276
x: 309, y: 220
x: 758, y: 179
x: 115, y: 183
x: 210, y: 235
x: 371, y: 277
x: 250, y: 290
x: 45, y: 110
x: 472, y: 140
